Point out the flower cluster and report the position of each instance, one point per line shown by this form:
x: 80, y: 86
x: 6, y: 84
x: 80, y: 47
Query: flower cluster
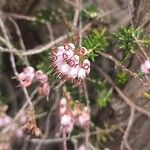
x: 29, y: 75
x: 5, y: 120
x: 71, y: 63
x: 69, y: 117
x: 145, y: 67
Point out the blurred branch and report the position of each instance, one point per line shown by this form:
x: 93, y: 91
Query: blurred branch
x: 121, y: 94
x: 10, y: 47
x: 128, y: 129
x: 20, y: 40
x: 110, y: 57
x: 82, y: 135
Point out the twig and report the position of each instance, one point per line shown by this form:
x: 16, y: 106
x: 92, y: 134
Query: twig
x: 13, y: 62
x: 131, y: 8
x: 22, y: 46
x: 47, y: 46
x: 64, y: 140
x: 89, y: 111
x: 81, y: 135
x: 22, y: 17
x: 50, y: 31
x: 128, y: 129
x: 141, y: 48
x: 110, y: 57
x: 76, y: 15
x: 63, y: 37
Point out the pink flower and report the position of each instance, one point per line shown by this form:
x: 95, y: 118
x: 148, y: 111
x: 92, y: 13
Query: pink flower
x: 63, y: 101
x: 66, y: 119
x: 26, y: 77
x: 70, y: 63
x: 64, y: 69
x: 73, y: 74
x: 83, y: 51
x: 82, y: 147
x: 41, y: 77
x: 86, y: 65
x: 70, y: 127
x: 2, y: 122
x: 44, y: 89
x: 62, y: 110
x: 145, y: 67
x: 83, y: 119
x: 67, y: 123
x: 5, y: 120
x: 23, y: 118
x: 28, y: 70
x: 81, y: 73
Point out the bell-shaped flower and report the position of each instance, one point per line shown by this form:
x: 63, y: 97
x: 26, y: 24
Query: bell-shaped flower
x: 81, y: 74
x: 145, y: 67
x: 41, y: 77
x: 83, y: 51
x: 86, y: 65
x: 44, y: 89
x: 26, y: 77
x: 84, y: 119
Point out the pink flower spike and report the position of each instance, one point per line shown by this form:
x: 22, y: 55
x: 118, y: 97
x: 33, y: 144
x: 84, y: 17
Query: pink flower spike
x: 145, y: 67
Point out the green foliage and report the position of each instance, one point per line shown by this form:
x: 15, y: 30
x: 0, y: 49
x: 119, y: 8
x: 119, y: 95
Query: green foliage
x: 147, y: 95
x: 95, y: 42
x: 122, y: 78
x: 146, y: 41
x: 125, y: 39
x: 104, y: 98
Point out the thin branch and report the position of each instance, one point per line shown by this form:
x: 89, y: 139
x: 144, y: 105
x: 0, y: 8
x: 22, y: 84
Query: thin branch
x: 121, y: 94
x: 81, y: 135
x: 47, y: 46
x: 76, y: 15
x: 22, y: 46
x: 124, y: 142
x: 21, y: 17
x: 110, y: 57
x: 13, y: 62
x: 43, y: 48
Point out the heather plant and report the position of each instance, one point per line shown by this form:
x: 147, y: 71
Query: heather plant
x: 88, y: 76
